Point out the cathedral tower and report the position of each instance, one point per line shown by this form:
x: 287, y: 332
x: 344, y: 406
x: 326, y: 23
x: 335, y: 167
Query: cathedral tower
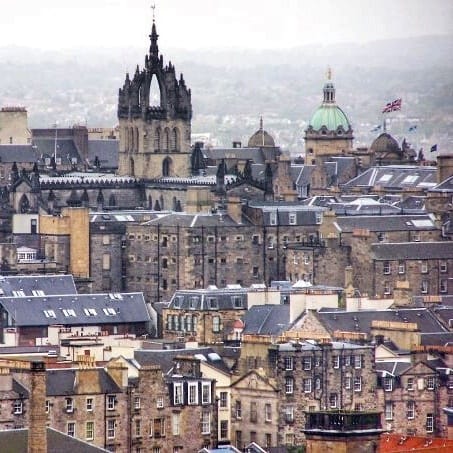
x: 154, y: 131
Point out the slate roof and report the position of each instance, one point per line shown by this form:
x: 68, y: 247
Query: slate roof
x: 60, y: 382
x: 18, y: 153
x: 396, y: 177
x: 254, y: 154
x: 436, y: 339
x: 360, y: 321
x: 16, y: 441
x: 165, y: 357
x: 192, y: 220
x: 266, y: 320
x: 304, y: 175
x: 30, y: 311
x: 66, y: 149
x: 106, y: 150
x: 49, y: 284
x: 386, y: 223
x: 445, y: 314
x: 412, y: 251
x: 393, y: 368
x: 206, y: 299
x: 444, y: 186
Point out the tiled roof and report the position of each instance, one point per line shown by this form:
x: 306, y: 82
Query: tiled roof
x: 60, y: 382
x: 386, y: 223
x: 48, y: 284
x: 206, y: 299
x: 360, y: 321
x: 266, y: 319
x: 75, y: 310
x: 412, y: 250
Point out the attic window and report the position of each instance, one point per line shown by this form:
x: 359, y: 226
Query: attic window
x: 109, y: 311
x: 212, y: 303
x: 49, y: 314
x: 292, y: 218
x: 237, y: 301
x: 90, y: 311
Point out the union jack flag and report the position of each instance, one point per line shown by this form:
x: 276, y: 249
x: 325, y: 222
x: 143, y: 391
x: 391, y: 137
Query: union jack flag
x: 393, y: 106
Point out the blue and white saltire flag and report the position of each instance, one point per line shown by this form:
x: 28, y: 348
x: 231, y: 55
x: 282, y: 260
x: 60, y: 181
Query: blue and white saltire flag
x: 413, y: 128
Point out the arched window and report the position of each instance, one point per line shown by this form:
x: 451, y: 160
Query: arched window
x: 175, y: 139
x: 166, y: 167
x: 24, y: 204
x: 166, y: 139
x: 157, y: 140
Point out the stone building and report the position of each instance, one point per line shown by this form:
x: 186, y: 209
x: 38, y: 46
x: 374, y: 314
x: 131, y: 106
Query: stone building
x: 426, y: 266
x: 175, y: 410
x: 254, y: 407
x: 313, y: 376
x: 413, y: 395
x: 205, y: 316
x: 14, y: 126
x: 154, y: 133
x: 89, y: 405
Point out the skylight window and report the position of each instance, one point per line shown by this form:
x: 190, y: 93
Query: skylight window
x: 37, y: 292
x: 19, y: 293
x: 90, y: 311
x: 69, y: 312
x: 109, y: 311
x: 410, y: 179
x: 49, y: 314
x: 385, y: 178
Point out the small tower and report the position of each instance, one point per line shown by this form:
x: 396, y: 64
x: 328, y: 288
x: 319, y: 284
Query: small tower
x: 329, y: 132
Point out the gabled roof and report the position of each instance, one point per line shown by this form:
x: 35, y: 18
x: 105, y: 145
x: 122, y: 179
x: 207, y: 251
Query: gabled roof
x: 360, y: 321
x: 48, y: 284
x: 266, y: 320
x: 412, y: 250
x: 76, y: 310
x: 61, y: 382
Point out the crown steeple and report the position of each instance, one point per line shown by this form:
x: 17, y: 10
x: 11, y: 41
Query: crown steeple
x: 154, y: 49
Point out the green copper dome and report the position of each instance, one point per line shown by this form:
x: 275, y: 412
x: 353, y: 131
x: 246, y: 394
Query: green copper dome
x: 330, y: 116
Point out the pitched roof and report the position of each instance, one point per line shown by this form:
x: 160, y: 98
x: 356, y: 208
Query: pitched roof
x: 383, y: 223
x: 105, y: 150
x: 266, y: 319
x: 80, y: 309
x: 360, y: 321
x: 60, y: 382
x: 16, y: 441
x: 412, y: 250
x: 396, y: 177
x: 66, y: 149
x: 18, y: 153
x: 48, y: 284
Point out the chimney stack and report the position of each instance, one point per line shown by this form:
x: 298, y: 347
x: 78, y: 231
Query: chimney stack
x: 37, y: 431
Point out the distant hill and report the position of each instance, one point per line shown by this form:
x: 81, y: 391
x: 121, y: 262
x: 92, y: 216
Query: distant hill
x: 232, y: 88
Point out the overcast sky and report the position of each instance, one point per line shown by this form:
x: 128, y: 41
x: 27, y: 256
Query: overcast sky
x: 57, y: 24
